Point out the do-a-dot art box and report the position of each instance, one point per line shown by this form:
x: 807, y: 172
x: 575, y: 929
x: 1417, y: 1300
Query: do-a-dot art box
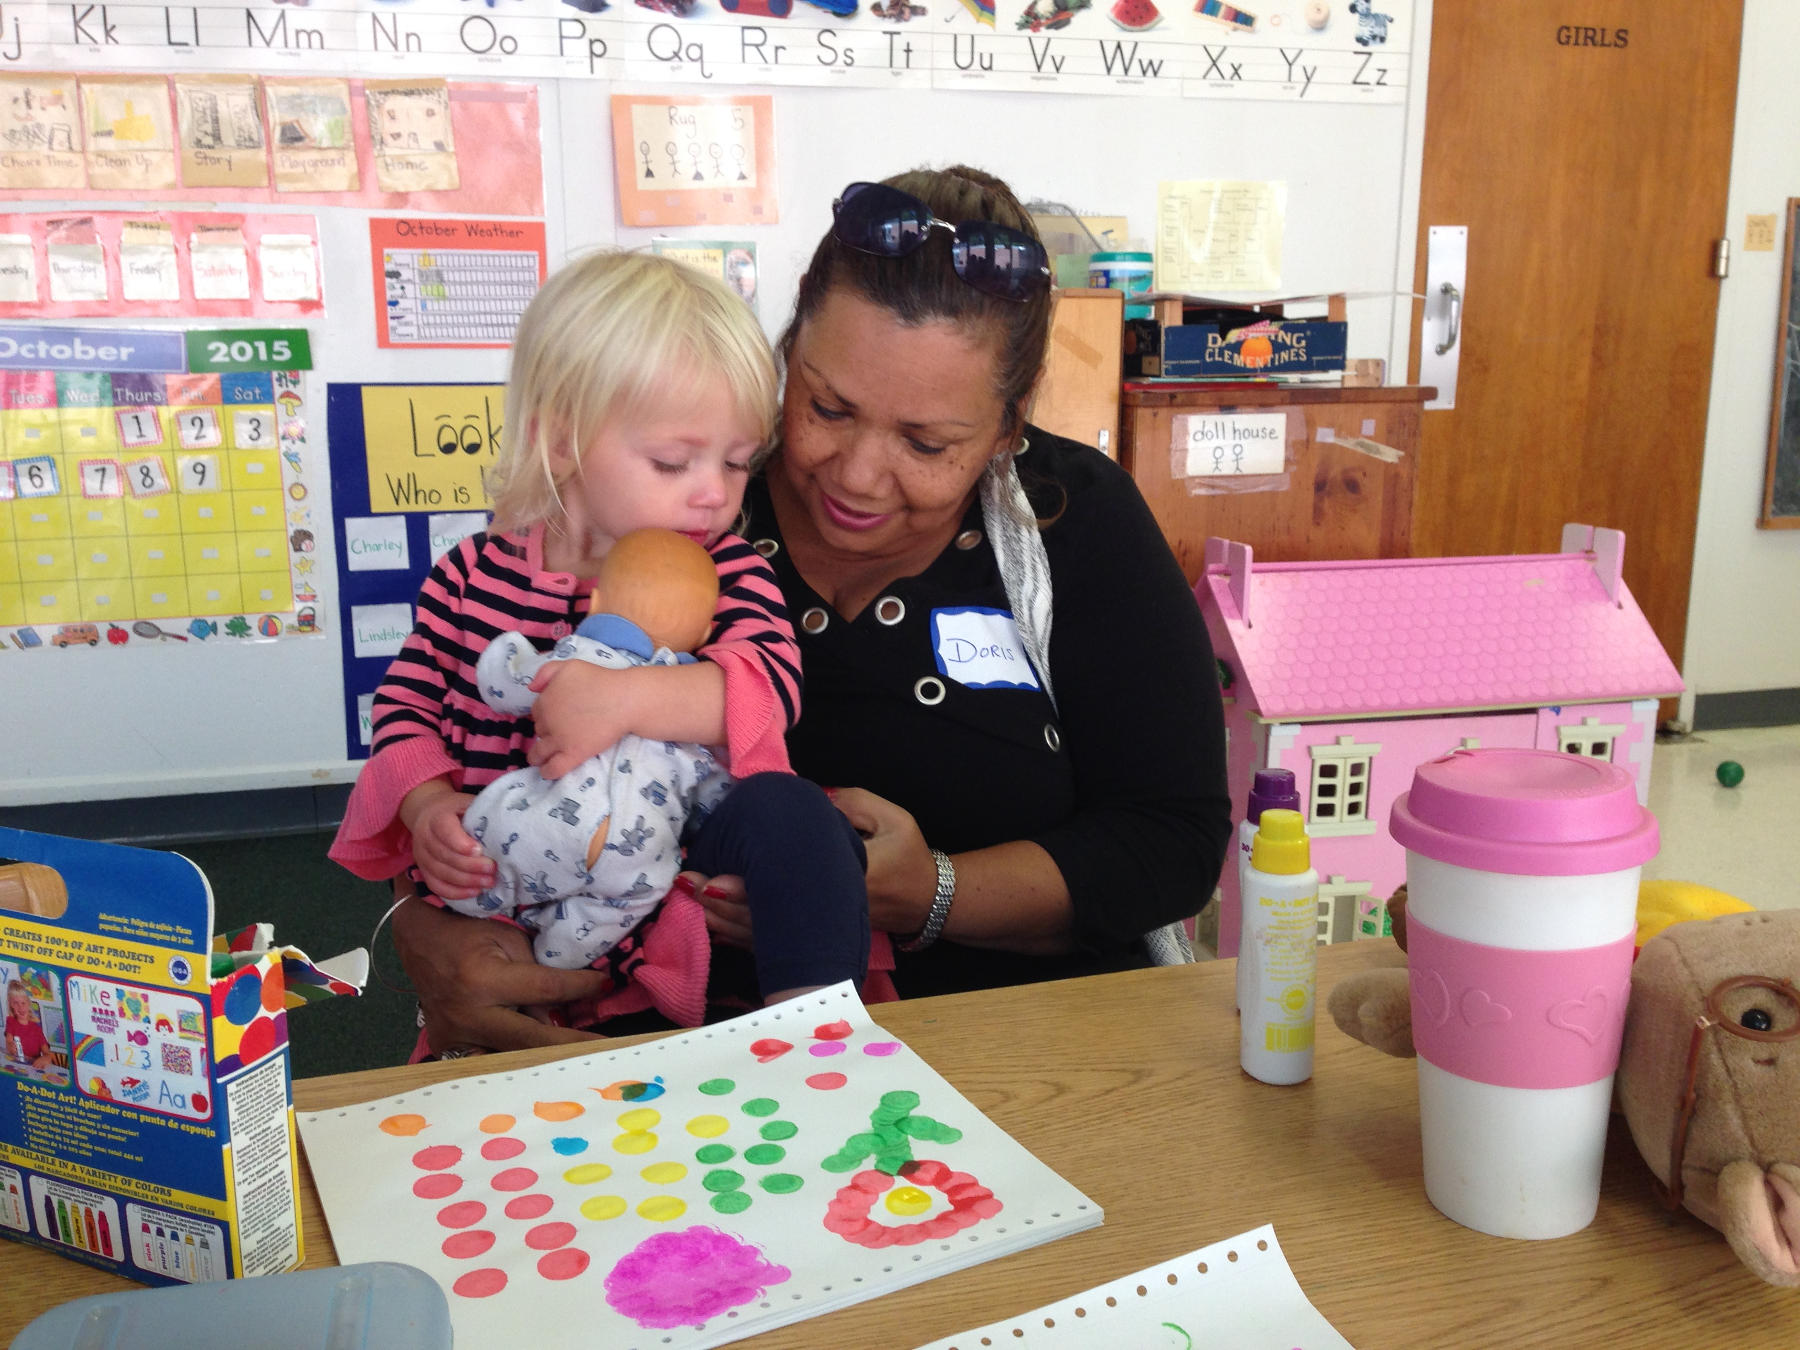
x: 146, y: 1113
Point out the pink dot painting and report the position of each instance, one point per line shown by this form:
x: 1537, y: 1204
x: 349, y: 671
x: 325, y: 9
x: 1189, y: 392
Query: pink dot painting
x: 826, y: 1082
x: 824, y: 1048
x: 548, y: 1236
x: 465, y: 1246
x: 832, y: 1031
x: 462, y: 1214
x: 498, y: 1150
x: 564, y: 1264
x: 437, y: 1186
x: 683, y: 1278
x: 484, y: 1283
x: 881, y: 1049
x: 515, y: 1179
x: 528, y: 1206
x: 437, y: 1157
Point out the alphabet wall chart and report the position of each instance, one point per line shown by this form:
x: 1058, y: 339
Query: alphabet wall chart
x: 1270, y: 49
x: 687, y: 1192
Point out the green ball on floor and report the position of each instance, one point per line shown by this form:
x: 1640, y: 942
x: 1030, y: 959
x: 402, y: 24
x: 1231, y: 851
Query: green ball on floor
x: 1730, y: 773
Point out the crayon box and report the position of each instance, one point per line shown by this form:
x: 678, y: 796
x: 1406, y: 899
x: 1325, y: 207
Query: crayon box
x: 146, y: 1109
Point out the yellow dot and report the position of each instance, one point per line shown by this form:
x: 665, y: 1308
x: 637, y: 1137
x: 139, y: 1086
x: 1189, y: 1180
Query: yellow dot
x: 499, y: 1124
x: 907, y: 1200
x: 602, y: 1207
x: 662, y: 1208
x: 663, y: 1173
x: 641, y: 1119
x: 1294, y: 999
x: 708, y: 1127
x: 635, y: 1142
x: 586, y: 1174
x: 557, y: 1110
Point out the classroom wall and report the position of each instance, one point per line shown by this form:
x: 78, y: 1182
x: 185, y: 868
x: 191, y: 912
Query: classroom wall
x: 1744, y: 608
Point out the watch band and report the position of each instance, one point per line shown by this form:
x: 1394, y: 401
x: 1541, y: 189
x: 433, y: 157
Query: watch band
x: 940, y: 904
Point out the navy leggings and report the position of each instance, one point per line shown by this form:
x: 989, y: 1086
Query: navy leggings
x: 802, y: 865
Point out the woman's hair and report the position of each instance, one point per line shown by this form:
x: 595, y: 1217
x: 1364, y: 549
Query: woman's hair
x: 923, y: 287
x: 607, y: 336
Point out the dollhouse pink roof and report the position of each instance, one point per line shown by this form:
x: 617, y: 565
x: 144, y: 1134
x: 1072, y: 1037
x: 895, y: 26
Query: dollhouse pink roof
x: 1357, y: 639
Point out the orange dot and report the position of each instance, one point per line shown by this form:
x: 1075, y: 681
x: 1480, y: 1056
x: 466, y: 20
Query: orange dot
x: 557, y: 1110
x: 407, y: 1125
x: 1257, y: 352
x: 274, y: 991
x: 497, y: 1124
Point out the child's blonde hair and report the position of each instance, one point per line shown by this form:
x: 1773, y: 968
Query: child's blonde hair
x: 31, y: 1008
x: 603, y: 336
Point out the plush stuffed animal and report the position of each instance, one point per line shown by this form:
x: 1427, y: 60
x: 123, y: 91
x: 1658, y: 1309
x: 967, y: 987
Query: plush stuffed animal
x: 1734, y: 977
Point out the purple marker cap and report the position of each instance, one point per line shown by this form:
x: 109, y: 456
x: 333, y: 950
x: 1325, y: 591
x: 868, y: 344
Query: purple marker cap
x: 1272, y: 789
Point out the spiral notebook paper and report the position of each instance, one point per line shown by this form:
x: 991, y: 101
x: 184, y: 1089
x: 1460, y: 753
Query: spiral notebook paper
x: 1239, y: 1294
x: 687, y: 1192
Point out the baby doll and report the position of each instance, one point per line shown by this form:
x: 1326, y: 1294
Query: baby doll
x: 585, y: 858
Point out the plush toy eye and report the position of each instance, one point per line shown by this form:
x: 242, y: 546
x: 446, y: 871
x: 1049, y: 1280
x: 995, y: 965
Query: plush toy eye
x: 1757, y: 1019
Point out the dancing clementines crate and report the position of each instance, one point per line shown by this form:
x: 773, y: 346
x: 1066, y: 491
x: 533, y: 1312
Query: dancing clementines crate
x: 1266, y: 347
x: 146, y: 1112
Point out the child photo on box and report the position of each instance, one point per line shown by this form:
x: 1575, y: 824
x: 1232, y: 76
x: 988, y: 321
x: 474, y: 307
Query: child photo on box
x: 29, y: 1051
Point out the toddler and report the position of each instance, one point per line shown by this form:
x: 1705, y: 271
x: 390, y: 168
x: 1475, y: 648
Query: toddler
x: 25, y: 1039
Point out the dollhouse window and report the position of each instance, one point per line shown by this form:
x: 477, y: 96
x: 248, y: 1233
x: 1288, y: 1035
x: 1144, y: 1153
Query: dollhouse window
x: 1592, y: 739
x: 1341, y: 902
x: 1339, y: 801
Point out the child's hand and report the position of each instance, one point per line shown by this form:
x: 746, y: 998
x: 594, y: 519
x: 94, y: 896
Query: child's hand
x: 581, y: 710
x: 448, y: 857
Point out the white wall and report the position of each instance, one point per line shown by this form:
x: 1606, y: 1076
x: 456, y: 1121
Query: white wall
x: 1744, y: 610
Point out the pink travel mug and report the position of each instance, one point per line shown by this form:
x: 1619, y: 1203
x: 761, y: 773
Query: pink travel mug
x: 1522, y: 872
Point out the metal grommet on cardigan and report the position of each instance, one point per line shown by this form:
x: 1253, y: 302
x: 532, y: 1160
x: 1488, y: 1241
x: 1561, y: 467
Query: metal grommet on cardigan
x: 814, y: 620
x: 968, y: 539
x: 929, y: 690
x: 1052, y: 737
x: 889, y: 610
x: 767, y: 547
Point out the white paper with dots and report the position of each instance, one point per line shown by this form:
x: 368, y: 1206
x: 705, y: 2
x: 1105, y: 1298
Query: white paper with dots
x: 688, y: 1192
x: 1238, y: 1294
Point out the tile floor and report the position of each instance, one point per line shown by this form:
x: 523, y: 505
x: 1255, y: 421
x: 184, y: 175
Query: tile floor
x: 1743, y: 840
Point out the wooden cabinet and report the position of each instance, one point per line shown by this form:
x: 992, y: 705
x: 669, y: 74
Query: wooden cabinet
x: 1336, y: 498
x: 1079, y: 394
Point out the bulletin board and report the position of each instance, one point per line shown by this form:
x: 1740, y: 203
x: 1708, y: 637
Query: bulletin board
x: 1335, y: 114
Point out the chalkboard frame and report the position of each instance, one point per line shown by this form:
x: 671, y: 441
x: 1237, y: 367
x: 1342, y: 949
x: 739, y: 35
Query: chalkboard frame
x: 1781, y: 480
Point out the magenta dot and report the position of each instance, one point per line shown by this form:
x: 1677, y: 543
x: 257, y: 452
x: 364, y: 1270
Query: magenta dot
x: 826, y: 1082
x: 437, y: 1157
x: 515, y: 1179
x: 528, y: 1207
x: 462, y: 1214
x: 881, y: 1049
x: 547, y: 1236
x: 484, y: 1283
x: 437, y: 1186
x: 466, y: 1246
x: 498, y: 1150
x: 563, y: 1265
x: 824, y: 1048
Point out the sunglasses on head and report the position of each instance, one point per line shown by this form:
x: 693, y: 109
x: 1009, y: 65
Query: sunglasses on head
x: 995, y: 259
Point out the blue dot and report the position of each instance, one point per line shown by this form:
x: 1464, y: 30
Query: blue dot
x: 568, y: 1143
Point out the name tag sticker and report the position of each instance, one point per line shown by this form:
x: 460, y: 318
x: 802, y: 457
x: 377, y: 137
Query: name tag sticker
x: 981, y: 649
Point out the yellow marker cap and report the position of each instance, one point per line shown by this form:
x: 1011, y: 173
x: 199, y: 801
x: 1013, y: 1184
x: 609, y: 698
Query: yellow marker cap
x: 1281, y: 846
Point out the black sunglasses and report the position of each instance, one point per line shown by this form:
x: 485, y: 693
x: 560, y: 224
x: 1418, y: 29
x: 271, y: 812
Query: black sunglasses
x: 996, y: 259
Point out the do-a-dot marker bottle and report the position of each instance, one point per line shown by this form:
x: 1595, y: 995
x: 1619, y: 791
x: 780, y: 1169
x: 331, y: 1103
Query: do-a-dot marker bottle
x: 1281, y: 945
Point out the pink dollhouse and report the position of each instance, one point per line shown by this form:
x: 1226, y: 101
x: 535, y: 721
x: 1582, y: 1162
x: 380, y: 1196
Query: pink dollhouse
x: 1351, y: 674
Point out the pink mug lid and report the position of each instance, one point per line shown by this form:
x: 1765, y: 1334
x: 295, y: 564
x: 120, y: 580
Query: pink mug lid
x: 1536, y: 813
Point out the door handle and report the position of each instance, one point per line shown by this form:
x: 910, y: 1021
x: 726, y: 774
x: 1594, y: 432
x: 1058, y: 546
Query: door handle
x: 1455, y: 298
x: 1440, y: 329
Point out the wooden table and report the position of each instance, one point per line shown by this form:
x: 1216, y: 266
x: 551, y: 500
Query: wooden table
x: 1128, y: 1085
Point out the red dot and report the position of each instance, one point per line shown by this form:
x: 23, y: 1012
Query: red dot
x: 259, y: 1040
x: 825, y: 1082
x: 528, y: 1207
x: 515, y: 1179
x: 462, y: 1214
x: 484, y: 1283
x: 437, y: 1157
x: 438, y: 1186
x: 832, y: 1031
x: 563, y: 1265
x: 498, y: 1150
x: 465, y: 1246
x: 550, y: 1235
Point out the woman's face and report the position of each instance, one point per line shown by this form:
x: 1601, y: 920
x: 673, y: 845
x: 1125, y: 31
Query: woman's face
x: 886, y: 426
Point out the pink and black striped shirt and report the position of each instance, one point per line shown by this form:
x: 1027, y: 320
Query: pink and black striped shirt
x: 430, y: 722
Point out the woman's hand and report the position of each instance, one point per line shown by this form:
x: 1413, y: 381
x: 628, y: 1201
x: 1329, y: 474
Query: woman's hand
x: 448, y: 856
x: 579, y: 712
x: 727, y: 908
x: 474, y: 976
x: 902, y: 876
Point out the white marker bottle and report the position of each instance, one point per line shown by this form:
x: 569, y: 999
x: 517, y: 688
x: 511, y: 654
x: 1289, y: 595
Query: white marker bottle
x: 1281, y: 942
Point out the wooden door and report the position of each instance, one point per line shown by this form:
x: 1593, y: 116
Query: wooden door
x: 1587, y: 148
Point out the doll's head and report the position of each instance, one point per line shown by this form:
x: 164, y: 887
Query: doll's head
x: 663, y: 582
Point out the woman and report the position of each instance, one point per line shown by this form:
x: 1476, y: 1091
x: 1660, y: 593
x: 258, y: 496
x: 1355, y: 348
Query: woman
x: 1018, y: 827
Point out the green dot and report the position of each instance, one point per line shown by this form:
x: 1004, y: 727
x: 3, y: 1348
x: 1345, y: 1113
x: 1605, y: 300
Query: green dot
x: 761, y: 1106
x: 781, y: 1183
x: 718, y: 1087
x: 899, y: 1101
x: 779, y: 1129
x: 723, y: 1179
x: 762, y: 1155
x: 1730, y: 773
x: 715, y: 1153
x: 731, y: 1202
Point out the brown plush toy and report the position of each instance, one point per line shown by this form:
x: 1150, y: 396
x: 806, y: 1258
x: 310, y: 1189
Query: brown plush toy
x: 1714, y: 1012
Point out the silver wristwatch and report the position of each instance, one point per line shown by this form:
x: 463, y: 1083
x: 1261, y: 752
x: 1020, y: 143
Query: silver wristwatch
x: 940, y: 904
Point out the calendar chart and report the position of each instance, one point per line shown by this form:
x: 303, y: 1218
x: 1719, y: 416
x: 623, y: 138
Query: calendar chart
x: 454, y: 283
x: 156, y: 503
